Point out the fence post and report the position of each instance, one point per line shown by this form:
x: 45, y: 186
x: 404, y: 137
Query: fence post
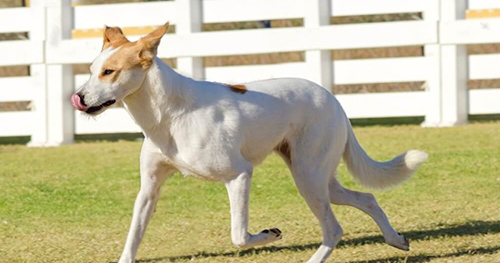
x: 39, y: 135
x: 189, y: 18
x: 60, y: 79
x: 318, y: 62
x: 433, y: 54
x: 454, y: 70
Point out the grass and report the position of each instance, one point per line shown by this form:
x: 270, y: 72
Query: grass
x: 74, y: 204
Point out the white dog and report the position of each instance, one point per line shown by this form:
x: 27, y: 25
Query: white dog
x: 220, y: 132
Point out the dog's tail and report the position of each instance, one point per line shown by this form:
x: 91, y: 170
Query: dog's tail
x: 379, y: 175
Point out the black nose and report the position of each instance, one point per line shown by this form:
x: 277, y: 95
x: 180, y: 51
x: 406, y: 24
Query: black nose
x: 82, y: 99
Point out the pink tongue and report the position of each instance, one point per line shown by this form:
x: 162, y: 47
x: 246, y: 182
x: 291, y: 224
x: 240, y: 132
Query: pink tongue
x: 77, y: 103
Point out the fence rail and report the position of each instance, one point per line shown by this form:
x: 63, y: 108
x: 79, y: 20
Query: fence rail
x: 53, y: 47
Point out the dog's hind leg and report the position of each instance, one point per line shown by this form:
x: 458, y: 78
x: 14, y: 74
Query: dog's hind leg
x: 366, y: 202
x: 314, y: 152
x: 315, y: 192
x: 238, y: 190
x: 153, y: 173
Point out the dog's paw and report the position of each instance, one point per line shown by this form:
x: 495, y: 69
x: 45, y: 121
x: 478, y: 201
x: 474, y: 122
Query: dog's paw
x: 274, y: 233
x: 400, y: 242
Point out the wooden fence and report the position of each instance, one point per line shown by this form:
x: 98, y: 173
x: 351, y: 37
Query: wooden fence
x: 62, y: 34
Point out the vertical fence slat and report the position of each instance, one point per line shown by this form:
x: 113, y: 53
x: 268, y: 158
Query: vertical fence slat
x: 59, y: 77
x: 433, y: 85
x: 39, y: 133
x: 319, y: 63
x: 189, y: 18
x: 454, y: 92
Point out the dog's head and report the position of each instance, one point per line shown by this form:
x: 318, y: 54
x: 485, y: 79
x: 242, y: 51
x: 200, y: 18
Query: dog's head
x: 118, y: 71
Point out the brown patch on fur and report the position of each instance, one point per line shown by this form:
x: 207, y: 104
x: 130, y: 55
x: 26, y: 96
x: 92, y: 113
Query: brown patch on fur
x: 113, y: 37
x: 242, y: 89
x: 150, y: 45
x: 124, y: 59
x: 131, y: 54
x: 283, y: 149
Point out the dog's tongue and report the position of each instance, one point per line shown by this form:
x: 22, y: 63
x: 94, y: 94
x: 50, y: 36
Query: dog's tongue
x: 77, y: 103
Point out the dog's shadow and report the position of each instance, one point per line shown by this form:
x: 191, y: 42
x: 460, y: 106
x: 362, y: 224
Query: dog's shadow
x: 468, y: 229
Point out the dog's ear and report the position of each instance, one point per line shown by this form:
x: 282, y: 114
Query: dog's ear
x: 149, y: 44
x: 113, y: 36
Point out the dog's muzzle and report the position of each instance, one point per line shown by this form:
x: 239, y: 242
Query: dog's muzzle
x: 78, y: 102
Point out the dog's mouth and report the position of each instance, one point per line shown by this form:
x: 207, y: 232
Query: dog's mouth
x: 95, y: 109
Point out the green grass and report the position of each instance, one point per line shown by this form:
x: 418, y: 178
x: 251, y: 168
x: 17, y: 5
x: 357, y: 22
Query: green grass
x: 74, y: 204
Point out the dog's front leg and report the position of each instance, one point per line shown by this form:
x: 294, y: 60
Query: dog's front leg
x: 153, y: 174
x: 239, y: 194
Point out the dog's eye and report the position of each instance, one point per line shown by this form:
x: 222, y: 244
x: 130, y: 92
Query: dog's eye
x: 107, y: 72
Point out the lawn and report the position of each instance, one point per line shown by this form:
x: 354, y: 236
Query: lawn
x: 74, y: 204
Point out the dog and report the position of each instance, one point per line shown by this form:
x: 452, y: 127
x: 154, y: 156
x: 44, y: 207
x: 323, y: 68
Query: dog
x: 219, y: 132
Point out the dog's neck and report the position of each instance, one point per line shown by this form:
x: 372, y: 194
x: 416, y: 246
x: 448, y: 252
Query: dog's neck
x: 163, y: 96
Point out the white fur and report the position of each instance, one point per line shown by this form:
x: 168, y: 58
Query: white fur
x: 97, y: 92
x: 380, y: 175
x: 208, y: 131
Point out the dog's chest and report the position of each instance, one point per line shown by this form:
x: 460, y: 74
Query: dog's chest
x: 202, y: 173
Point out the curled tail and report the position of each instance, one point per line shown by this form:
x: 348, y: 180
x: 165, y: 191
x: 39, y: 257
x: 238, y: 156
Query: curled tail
x: 379, y: 175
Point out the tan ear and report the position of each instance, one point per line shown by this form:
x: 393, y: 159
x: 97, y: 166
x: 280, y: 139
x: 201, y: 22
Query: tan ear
x: 113, y: 37
x: 151, y: 42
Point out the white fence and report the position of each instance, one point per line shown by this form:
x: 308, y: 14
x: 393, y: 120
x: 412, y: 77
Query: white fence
x: 443, y: 31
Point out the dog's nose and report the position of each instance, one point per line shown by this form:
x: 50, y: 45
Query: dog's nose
x: 81, y: 99
x: 78, y: 102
